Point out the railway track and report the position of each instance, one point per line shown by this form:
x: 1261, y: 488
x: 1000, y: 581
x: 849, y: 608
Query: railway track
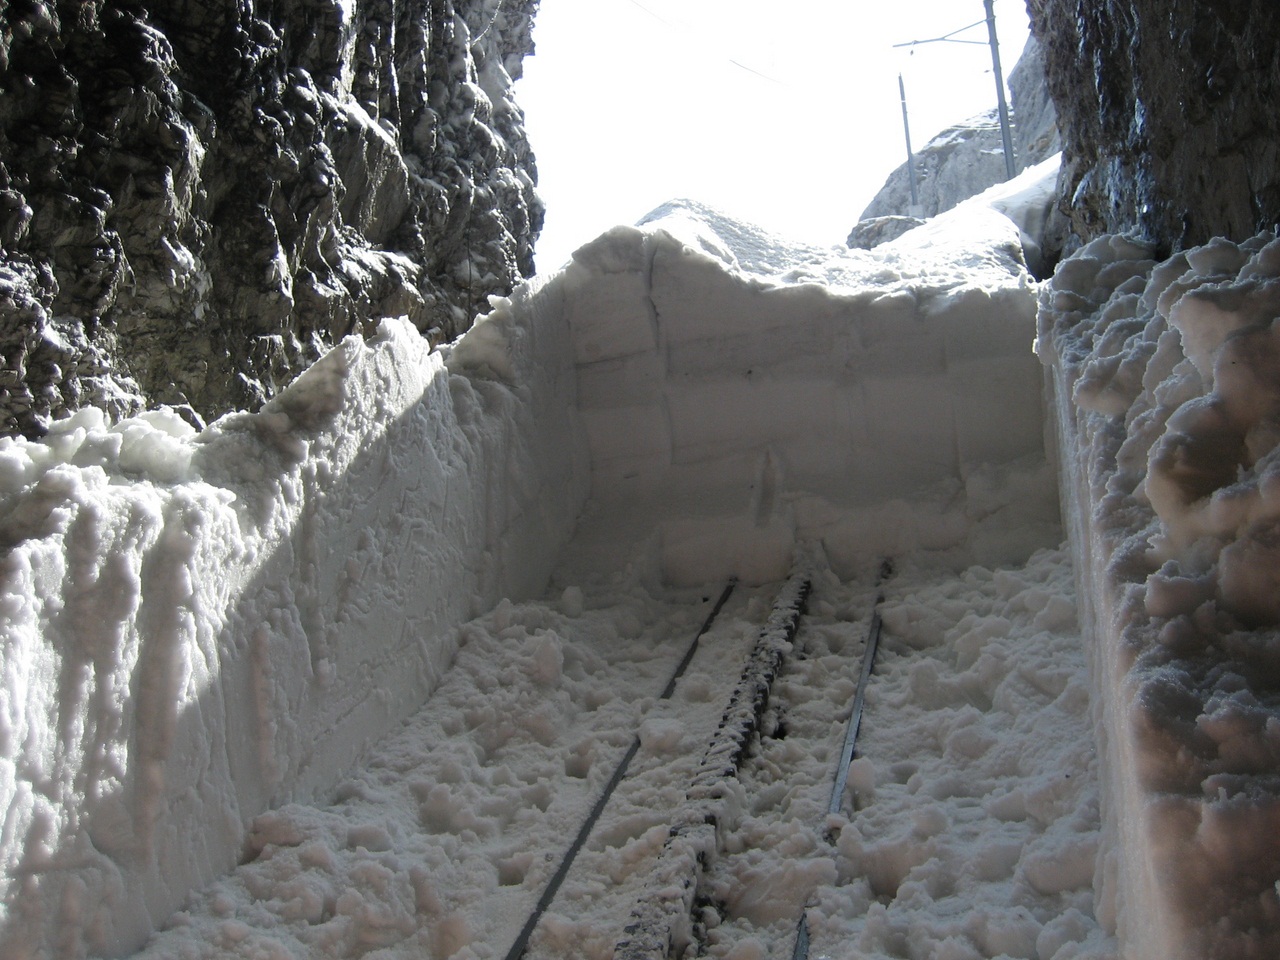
x: 695, y: 874
x: 640, y: 776
x: 575, y: 788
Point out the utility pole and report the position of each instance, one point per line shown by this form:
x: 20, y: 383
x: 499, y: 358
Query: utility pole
x: 911, y: 157
x: 1004, y: 108
x: 994, y: 43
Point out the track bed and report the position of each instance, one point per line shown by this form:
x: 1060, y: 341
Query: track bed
x: 482, y: 829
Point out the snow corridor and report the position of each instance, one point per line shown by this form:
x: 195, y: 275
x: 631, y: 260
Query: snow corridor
x: 348, y: 676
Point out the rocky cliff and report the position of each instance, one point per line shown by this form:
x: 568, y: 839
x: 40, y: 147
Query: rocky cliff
x: 199, y: 197
x: 1168, y: 116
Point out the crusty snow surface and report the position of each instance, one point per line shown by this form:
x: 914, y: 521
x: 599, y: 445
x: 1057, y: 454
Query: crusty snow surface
x: 1167, y: 377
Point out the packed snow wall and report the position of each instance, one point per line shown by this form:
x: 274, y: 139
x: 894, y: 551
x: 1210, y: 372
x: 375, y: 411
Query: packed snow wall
x: 741, y: 394
x: 1168, y: 398
x: 199, y: 197
x: 197, y: 627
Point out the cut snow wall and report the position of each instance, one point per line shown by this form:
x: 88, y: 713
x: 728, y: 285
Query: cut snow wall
x: 1167, y: 381
x: 739, y: 395
x: 198, y: 627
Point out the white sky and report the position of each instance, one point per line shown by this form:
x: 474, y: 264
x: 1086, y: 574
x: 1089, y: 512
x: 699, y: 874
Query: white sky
x: 789, y: 121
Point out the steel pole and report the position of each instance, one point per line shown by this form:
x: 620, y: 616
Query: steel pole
x: 911, y: 157
x: 1004, y: 107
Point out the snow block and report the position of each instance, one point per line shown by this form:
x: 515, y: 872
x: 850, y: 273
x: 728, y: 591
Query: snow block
x: 631, y: 381
x: 992, y: 390
x: 625, y: 436
x: 911, y: 426
x: 616, y: 320
x: 712, y: 418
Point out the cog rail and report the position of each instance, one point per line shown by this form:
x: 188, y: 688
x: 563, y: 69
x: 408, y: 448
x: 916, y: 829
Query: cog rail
x: 662, y: 921
x: 663, y: 915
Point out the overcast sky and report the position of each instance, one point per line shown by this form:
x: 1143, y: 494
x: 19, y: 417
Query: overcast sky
x: 790, y: 120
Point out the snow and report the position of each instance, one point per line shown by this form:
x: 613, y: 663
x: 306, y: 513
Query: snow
x: 1027, y: 200
x: 201, y: 626
x: 383, y: 641
x: 1166, y: 405
x: 439, y: 844
x: 977, y: 825
x: 705, y: 347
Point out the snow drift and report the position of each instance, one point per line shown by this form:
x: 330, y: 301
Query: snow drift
x: 199, y: 627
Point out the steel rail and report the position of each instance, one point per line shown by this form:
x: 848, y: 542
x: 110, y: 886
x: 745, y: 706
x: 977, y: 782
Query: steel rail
x: 855, y: 715
x: 801, y: 951
x: 521, y: 943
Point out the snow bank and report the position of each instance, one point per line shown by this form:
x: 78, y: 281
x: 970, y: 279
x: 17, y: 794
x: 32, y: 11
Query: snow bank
x: 1168, y: 384
x: 740, y: 393
x: 197, y: 627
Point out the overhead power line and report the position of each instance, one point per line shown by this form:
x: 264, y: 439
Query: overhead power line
x: 681, y: 28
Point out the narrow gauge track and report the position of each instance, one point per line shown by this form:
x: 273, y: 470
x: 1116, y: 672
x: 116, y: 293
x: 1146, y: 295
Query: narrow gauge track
x: 793, y: 783
x: 454, y: 832
x: 689, y: 882
x: 553, y: 885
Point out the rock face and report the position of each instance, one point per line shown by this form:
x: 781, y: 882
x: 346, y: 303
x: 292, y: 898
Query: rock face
x: 196, y: 202
x: 958, y: 163
x: 1035, y: 119
x: 1168, y: 115
x: 966, y: 159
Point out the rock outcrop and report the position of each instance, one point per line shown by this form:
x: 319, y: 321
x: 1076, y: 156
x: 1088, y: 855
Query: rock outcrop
x: 967, y: 158
x: 199, y: 197
x: 1167, y: 114
x: 958, y: 163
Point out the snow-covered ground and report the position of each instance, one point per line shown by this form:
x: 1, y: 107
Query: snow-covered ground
x: 382, y: 642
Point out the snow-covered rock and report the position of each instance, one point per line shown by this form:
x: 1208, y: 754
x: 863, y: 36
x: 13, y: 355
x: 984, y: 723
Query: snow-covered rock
x: 968, y: 158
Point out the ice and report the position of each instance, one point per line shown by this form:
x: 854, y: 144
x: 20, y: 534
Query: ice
x: 206, y: 633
